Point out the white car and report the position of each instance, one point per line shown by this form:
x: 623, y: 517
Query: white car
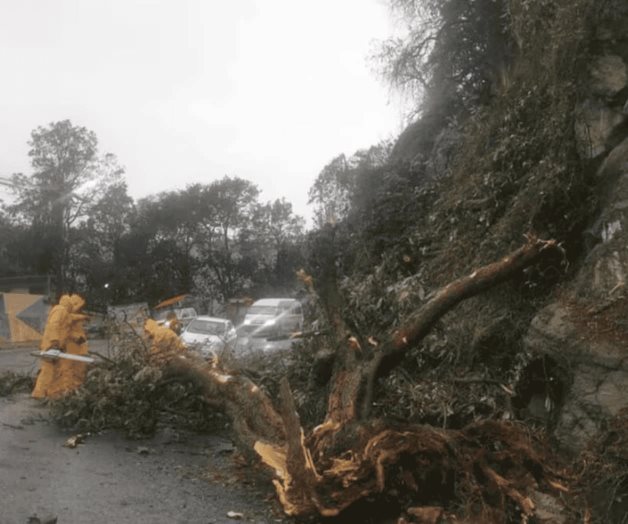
x: 209, y: 335
x: 273, y: 317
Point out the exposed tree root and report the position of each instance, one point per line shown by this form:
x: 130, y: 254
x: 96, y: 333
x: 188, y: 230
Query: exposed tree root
x: 493, y: 463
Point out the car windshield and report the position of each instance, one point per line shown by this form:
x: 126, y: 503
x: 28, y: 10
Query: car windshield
x: 207, y: 327
x: 263, y: 310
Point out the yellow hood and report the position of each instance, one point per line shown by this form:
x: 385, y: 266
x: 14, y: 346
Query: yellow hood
x: 77, y: 302
x: 151, y: 327
x: 66, y: 302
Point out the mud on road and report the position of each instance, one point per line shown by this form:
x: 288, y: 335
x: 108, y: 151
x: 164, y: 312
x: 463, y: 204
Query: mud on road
x: 174, y: 477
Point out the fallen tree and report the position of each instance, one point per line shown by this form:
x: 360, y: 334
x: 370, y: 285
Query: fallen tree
x: 493, y: 466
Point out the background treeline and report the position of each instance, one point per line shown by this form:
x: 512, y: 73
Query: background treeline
x: 73, y: 219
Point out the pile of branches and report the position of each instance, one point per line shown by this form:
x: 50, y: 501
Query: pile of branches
x: 11, y: 382
x: 127, y: 392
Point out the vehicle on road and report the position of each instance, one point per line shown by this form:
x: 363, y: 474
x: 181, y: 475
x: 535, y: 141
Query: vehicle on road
x: 208, y: 336
x: 273, y: 317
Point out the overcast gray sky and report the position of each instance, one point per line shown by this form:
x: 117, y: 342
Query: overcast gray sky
x: 185, y: 91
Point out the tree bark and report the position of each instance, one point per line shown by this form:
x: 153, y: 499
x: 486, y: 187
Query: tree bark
x: 251, y: 410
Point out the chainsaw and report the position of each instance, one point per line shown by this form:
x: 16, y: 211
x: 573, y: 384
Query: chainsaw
x: 56, y: 354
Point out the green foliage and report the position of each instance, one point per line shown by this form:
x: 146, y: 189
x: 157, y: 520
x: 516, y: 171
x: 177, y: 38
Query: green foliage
x: 517, y: 171
x: 452, y: 55
x: 460, y: 188
x: 130, y: 394
x: 217, y: 240
x: 468, y: 181
x: 68, y: 178
x: 331, y: 192
x: 95, y: 247
x: 11, y: 382
x: 346, y: 184
x: 74, y: 219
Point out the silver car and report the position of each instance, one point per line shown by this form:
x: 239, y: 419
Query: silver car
x: 209, y: 335
x: 273, y: 317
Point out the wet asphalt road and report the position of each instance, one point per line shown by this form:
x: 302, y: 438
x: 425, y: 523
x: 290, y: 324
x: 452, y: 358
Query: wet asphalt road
x: 172, y: 478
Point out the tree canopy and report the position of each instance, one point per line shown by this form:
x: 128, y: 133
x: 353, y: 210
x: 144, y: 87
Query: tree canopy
x: 73, y: 219
x: 452, y: 55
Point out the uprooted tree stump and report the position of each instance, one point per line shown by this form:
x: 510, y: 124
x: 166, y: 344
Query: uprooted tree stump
x: 492, y: 465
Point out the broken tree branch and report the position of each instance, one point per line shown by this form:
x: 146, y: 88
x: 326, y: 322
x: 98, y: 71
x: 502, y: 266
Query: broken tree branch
x: 420, y: 324
x: 451, y: 295
x: 251, y: 410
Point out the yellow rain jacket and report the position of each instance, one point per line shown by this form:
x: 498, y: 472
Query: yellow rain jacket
x: 56, y: 331
x: 64, y: 330
x: 55, y: 335
x: 165, y: 343
x: 73, y: 373
x: 173, y: 323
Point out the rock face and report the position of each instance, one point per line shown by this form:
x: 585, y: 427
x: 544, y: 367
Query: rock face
x: 608, y: 76
x: 596, y: 125
x: 584, y: 332
x: 601, y: 118
x: 594, y: 365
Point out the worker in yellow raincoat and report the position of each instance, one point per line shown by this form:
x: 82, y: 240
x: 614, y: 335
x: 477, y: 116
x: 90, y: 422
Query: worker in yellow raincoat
x: 73, y: 373
x: 56, y: 334
x: 64, y: 331
x: 173, y: 322
x: 165, y: 343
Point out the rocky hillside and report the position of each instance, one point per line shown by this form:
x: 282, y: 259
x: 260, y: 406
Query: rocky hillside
x: 547, y: 155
